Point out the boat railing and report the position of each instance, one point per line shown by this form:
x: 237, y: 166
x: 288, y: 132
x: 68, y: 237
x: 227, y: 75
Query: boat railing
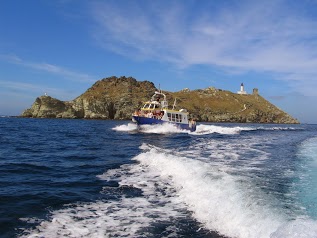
x: 149, y: 113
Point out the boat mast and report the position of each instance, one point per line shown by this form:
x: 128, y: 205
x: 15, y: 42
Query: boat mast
x: 174, y: 105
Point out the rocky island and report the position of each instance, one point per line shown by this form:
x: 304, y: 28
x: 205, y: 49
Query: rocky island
x: 117, y: 98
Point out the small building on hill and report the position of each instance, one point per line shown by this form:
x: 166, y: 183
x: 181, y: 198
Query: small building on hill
x: 242, y: 90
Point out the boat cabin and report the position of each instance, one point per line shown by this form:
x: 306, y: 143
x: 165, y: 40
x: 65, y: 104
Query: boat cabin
x: 156, y: 111
x: 151, y: 106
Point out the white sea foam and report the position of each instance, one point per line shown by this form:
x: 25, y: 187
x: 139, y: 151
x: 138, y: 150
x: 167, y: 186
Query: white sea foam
x: 227, y: 204
x: 123, y: 218
x: 166, y: 128
x: 161, y: 129
x: 209, y: 129
x: 300, y: 228
x: 200, y: 179
x: 128, y: 127
x: 202, y: 129
x: 155, y: 128
x: 279, y: 128
x: 228, y: 130
x: 231, y: 205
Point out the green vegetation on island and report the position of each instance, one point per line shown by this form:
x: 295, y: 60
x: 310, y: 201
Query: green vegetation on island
x: 117, y: 98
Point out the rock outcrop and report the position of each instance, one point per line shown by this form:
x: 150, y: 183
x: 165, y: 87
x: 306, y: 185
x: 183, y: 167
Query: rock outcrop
x: 117, y: 98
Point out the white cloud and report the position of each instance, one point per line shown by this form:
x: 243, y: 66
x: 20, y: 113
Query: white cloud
x: 27, y: 92
x: 49, y: 68
x: 27, y: 87
x: 269, y: 36
x: 138, y: 32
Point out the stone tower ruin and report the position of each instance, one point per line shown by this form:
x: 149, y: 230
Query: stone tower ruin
x: 255, y: 92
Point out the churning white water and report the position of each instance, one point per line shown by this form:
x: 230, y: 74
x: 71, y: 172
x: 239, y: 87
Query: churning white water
x: 225, y: 184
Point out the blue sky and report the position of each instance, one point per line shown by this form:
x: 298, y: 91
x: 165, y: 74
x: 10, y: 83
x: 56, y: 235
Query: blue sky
x: 62, y: 47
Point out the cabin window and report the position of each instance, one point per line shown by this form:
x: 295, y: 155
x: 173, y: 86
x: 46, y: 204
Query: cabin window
x: 178, y: 117
x: 146, y: 105
x: 175, y: 117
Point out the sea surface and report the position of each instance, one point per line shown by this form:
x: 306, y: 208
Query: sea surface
x: 96, y: 178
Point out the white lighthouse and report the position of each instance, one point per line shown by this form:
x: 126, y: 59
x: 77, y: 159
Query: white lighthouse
x: 242, y: 90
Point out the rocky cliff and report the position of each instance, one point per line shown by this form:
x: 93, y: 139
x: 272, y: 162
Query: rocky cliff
x: 117, y: 98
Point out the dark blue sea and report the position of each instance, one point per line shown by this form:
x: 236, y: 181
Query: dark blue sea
x: 97, y: 178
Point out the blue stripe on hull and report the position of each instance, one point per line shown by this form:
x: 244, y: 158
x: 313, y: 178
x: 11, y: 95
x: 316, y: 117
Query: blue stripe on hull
x: 151, y: 121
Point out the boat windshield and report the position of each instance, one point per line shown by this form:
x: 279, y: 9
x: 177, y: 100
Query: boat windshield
x: 147, y: 105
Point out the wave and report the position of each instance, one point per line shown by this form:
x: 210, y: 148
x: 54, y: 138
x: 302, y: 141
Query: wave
x: 279, y: 128
x: 230, y: 130
x: 127, y: 128
x: 165, y: 186
x: 155, y: 129
x: 202, y: 129
x: 170, y: 128
x: 228, y: 204
x: 294, y: 229
x: 218, y: 200
x: 225, y: 130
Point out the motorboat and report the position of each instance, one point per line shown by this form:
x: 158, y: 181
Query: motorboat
x: 156, y: 111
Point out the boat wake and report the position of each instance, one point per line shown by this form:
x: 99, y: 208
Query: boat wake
x: 201, y: 129
x: 164, y: 187
x: 210, y: 129
x: 127, y: 128
x: 307, y: 182
x: 155, y: 129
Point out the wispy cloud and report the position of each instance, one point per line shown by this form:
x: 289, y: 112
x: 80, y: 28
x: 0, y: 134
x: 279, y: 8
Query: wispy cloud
x: 22, y: 95
x: 28, y: 90
x: 267, y: 36
x: 27, y: 87
x: 49, y: 68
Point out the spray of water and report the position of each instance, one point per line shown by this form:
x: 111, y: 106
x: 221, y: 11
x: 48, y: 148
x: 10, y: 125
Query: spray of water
x: 202, y: 129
